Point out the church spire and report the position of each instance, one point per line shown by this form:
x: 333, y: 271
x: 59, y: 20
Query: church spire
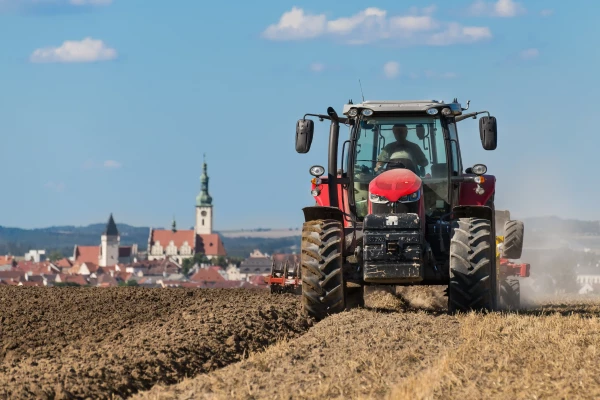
x: 204, y: 199
x: 111, y: 227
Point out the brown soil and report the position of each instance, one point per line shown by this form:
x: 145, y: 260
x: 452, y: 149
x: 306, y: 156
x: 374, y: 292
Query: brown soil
x: 391, y: 351
x: 239, y: 344
x: 110, y: 343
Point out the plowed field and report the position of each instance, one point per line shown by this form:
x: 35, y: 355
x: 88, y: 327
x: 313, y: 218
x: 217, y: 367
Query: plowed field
x: 236, y: 344
x: 107, y: 343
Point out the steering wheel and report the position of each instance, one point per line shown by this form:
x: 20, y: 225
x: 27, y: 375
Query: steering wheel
x: 405, y: 163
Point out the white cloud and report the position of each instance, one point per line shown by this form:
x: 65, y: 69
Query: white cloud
x: 391, y: 69
x: 547, y: 12
x: 295, y: 24
x: 86, y: 50
x: 416, y: 27
x: 529, y: 54
x: 317, y: 67
x: 500, y: 8
x: 55, y: 186
x: 112, y: 164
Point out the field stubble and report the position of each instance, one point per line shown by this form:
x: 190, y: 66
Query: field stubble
x: 406, y: 347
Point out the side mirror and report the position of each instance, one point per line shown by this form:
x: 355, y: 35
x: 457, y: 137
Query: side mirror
x: 304, y: 135
x: 420, y: 132
x: 488, y: 132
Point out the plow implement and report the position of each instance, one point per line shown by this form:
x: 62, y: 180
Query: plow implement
x: 285, y: 277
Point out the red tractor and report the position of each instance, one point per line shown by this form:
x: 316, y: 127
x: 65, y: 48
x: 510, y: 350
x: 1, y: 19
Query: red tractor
x: 400, y: 209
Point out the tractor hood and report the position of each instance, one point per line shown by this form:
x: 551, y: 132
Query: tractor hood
x: 395, y: 183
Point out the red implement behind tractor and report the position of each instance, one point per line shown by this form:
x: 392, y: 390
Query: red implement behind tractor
x: 400, y: 209
x: 285, y: 275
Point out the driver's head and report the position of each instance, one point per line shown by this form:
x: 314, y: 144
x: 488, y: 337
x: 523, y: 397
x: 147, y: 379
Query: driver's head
x: 400, y: 132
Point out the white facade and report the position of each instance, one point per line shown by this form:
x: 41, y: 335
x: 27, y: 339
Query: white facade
x: 35, y: 255
x: 109, y: 253
x: 204, y: 220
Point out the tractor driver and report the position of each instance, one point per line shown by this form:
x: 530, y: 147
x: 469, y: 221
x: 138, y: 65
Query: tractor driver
x: 401, y: 148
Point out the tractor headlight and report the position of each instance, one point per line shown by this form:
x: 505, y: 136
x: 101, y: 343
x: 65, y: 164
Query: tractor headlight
x: 479, y: 169
x: 317, y: 170
x: 353, y: 112
x: 378, y: 199
x: 411, y: 197
x: 367, y: 112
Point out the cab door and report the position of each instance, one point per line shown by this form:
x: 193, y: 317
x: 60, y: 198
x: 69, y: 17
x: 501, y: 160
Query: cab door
x: 455, y: 165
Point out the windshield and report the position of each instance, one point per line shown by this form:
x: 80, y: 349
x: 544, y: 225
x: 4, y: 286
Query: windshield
x: 415, y: 143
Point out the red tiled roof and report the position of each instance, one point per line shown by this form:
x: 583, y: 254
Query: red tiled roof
x: 207, y: 275
x: 92, y: 267
x: 15, y: 274
x: 5, y: 260
x: 178, y: 237
x: 106, y: 281
x: 79, y: 279
x: 211, y: 245
x: 124, y: 276
x: 125, y: 251
x: 257, y: 280
x: 87, y: 254
x: 63, y: 263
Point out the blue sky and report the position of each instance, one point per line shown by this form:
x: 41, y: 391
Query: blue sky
x: 108, y: 106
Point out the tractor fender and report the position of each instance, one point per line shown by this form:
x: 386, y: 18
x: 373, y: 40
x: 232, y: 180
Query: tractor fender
x: 313, y: 213
x: 483, y: 212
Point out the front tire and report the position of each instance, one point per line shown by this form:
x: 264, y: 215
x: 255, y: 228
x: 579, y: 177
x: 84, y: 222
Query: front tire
x: 323, y: 291
x: 510, y: 294
x: 472, y: 266
x: 512, y: 248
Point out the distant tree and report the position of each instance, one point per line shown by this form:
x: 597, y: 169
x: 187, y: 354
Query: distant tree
x: 55, y: 256
x: 220, y: 261
x: 186, y: 265
x: 200, y: 258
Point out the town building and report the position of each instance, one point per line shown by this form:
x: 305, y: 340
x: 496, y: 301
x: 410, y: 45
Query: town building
x: 182, y: 244
x: 257, y: 264
x: 109, y: 252
x: 35, y: 255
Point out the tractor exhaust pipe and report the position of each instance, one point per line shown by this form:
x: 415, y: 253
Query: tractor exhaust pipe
x: 334, y: 134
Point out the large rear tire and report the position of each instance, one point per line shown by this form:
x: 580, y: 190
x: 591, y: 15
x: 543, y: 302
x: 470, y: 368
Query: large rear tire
x: 323, y: 291
x: 510, y: 294
x: 472, y: 266
x: 512, y: 248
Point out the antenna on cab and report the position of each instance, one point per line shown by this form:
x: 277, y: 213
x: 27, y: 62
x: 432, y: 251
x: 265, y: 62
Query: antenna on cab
x: 361, y: 91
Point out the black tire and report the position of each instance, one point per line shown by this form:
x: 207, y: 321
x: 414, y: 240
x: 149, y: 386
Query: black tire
x: 510, y: 294
x: 323, y: 291
x: 512, y: 248
x: 472, y: 283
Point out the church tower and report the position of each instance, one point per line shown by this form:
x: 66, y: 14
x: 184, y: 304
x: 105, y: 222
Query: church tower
x: 109, y: 252
x: 204, y: 210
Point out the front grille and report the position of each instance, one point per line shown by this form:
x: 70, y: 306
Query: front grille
x: 396, y: 208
